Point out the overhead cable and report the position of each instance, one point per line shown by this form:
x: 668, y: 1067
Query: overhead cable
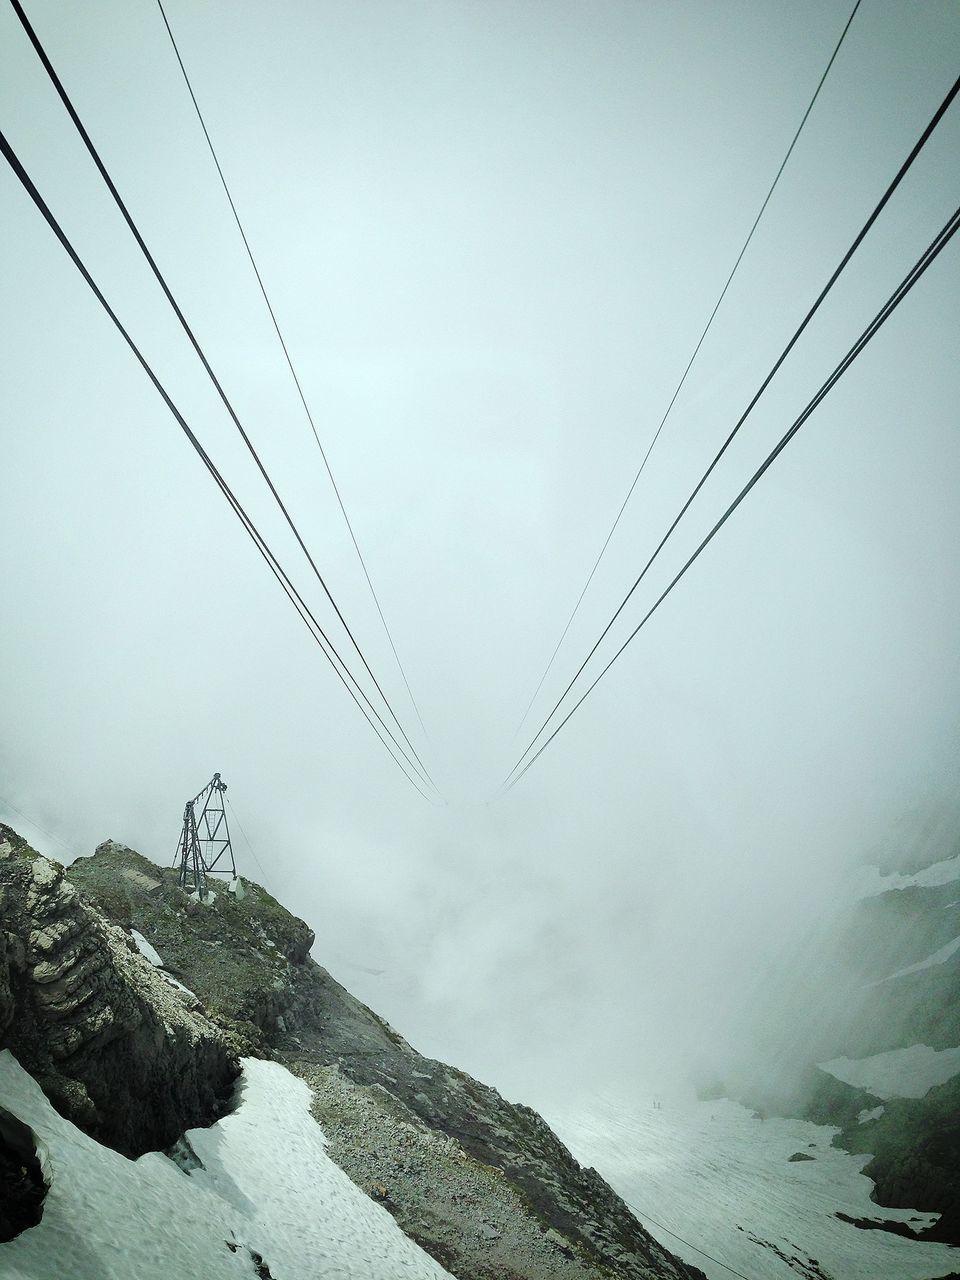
x: 253, y: 852
x: 7, y: 804
x: 689, y: 366
x: 403, y: 762
x: 878, y: 209
x: 924, y: 261
x: 118, y: 200
x: 696, y: 1249
x: 289, y: 360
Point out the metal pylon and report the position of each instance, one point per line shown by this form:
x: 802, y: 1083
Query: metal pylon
x: 205, y: 841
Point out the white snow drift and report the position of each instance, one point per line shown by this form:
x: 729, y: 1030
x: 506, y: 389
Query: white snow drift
x: 931, y: 962
x: 147, y: 949
x: 899, y: 1073
x: 722, y: 1180
x: 874, y: 881
x: 267, y: 1186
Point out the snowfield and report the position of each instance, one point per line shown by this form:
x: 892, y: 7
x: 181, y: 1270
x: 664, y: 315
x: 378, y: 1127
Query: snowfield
x: 898, y: 1073
x: 708, y: 1172
x: 874, y: 881
x: 267, y: 1187
x: 719, y: 1178
x: 931, y: 962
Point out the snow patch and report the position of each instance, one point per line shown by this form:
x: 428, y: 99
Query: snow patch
x: 150, y: 953
x: 207, y: 900
x: 874, y: 1113
x: 178, y: 985
x: 899, y: 1073
x: 938, y: 957
x: 146, y: 950
x: 939, y: 873
x: 266, y: 1188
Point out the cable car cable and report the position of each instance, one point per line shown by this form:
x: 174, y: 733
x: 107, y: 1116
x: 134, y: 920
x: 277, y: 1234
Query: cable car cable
x: 689, y: 366
x: 878, y: 209
x: 10, y: 156
x: 289, y: 360
x: 928, y: 256
x: 118, y: 199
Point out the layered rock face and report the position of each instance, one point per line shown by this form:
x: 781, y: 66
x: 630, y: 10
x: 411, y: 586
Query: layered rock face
x: 113, y: 1046
x: 483, y: 1185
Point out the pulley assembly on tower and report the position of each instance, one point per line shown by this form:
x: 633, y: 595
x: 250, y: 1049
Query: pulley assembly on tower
x: 205, y: 848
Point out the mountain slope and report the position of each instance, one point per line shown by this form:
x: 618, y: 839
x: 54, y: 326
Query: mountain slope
x: 240, y: 1211
x: 482, y: 1184
x: 98, y: 1029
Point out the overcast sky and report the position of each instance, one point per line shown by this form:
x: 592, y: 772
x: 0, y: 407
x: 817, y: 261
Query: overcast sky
x: 492, y: 233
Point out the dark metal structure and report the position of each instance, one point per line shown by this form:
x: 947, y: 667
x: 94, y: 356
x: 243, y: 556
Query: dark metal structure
x: 205, y: 840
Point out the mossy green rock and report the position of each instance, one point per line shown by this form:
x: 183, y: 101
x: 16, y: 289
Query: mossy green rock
x: 240, y: 955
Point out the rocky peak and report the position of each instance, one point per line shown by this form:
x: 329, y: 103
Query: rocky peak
x: 112, y: 1045
x: 127, y: 1000
x: 482, y: 1184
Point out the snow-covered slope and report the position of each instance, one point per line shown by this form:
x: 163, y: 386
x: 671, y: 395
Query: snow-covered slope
x: 940, y: 956
x: 874, y: 881
x: 713, y: 1174
x: 267, y: 1187
x: 910, y: 1072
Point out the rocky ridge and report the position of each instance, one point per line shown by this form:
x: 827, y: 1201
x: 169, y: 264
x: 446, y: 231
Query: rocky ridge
x: 93, y: 1023
x: 392, y: 1154
x: 482, y: 1184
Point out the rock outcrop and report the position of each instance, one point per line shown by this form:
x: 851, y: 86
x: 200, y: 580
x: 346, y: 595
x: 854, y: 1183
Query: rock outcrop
x: 891, y: 957
x: 914, y: 1145
x: 114, y: 1047
x: 482, y: 1184
x: 23, y: 1187
x: 904, y: 1000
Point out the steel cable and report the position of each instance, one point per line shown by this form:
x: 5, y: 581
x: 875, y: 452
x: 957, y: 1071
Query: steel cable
x: 689, y: 366
x: 290, y: 365
x: 313, y: 625
x: 118, y: 199
x: 878, y: 209
x: 926, y: 258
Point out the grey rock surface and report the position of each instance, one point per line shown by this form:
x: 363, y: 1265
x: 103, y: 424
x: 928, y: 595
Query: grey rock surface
x: 110, y: 1042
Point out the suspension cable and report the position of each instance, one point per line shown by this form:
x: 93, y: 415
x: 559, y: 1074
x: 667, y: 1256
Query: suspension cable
x: 927, y: 257
x: 118, y: 199
x: 689, y: 366
x: 289, y: 360
x: 317, y: 631
x: 878, y: 209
